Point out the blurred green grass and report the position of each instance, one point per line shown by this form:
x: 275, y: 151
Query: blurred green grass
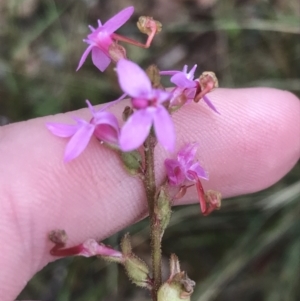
x: 250, y: 249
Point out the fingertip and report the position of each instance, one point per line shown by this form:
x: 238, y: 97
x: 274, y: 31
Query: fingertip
x: 251, y: 145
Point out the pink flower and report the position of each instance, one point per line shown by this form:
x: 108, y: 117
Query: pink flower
x: 101, y: 39
x: 187, y: 86
x: 103, y: 125
x: 183, y: 79
x: 148, y: 103
x: 185, y: 168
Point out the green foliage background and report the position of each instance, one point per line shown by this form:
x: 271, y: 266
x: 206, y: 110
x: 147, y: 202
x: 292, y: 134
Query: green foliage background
x: 250, y: 249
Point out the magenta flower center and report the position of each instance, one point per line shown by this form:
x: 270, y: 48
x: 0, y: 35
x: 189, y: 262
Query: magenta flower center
x: 142, y: 103
x: 101, y: 39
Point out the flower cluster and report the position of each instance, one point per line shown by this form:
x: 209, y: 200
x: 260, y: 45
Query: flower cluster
x: 150, y: 107
x: 145, y: 122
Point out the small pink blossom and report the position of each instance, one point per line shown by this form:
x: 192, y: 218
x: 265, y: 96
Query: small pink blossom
x: 103, y: 125
x: 184, y: 168
x: 101, y: 39
x: 186, y: 86
x: 148, y: 103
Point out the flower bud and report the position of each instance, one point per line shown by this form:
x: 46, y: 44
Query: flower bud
x: 126, y: 245
x: 88, y: 248
x: 136, y: 268
x: 132, y: 161
x: 127, y: 112
x: 178, y: 287
x: 137, y: 271
x: 163, y: 210
x: 153, y: 73
x: 208, y: 78
x: 170, y: 292
x: 213, y: 201
x: 147, y: 25
x: 208, y: 82
x: 58, y: 236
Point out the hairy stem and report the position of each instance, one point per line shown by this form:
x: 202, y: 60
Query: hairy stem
x: 155, y: 228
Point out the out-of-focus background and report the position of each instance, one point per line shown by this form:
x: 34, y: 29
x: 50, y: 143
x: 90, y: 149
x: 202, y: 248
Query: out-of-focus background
x: 249, y: 250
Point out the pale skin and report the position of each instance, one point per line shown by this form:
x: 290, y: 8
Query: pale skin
x: 250, y: 146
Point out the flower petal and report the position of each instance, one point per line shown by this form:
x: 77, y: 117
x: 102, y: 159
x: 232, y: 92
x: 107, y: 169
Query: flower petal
x: 107, y: 127
x: 180, y: 80
x: 201, y: 172
x: 161, y: 95
x: 107, y: 133
x: 113, y: 102
x: 118, y: 20
x: 187, y: 154
x: 100, y: 59
x: 190, y: 75
x: 61, y: 130
x: 190, y: 93
x: 169, y: 72
x: 79, y: 141
x: 132, y: 79
x: 101, y: 117
x: 175, y: 173
x: 135, y: 130
x: 84, y: 56
x: 90, y: 106
x: 210, y: 104
x: 164, y: 128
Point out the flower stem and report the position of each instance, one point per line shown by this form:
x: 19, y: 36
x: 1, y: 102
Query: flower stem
x: 155, y: 229
x: 153, y: 30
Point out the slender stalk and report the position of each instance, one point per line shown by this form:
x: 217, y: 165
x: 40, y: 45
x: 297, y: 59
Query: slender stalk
x: 150, y: 187
x: 152, y: 26
x: 133, y: 42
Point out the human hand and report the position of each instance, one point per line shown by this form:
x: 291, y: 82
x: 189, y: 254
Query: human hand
x: 250, y: 146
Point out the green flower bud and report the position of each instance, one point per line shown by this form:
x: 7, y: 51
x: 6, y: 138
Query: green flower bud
x: 178, y: 287
x: 136, y: 269
x: 126, y: 245
x: 163, y: 210
x: 154, y: 76
x: 171, y: 292
x: 132, y: 161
